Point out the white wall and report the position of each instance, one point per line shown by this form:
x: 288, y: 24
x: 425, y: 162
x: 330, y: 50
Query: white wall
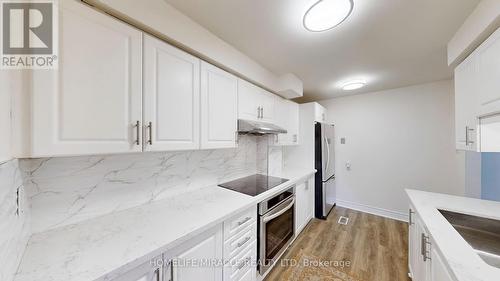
x: 395, y: 139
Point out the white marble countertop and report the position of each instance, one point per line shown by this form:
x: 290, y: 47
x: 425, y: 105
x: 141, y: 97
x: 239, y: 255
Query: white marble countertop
x: 463, y: 262
x: 104, y: 247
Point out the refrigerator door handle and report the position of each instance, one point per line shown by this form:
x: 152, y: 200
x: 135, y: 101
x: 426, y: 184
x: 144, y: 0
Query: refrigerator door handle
x: 327, y: 153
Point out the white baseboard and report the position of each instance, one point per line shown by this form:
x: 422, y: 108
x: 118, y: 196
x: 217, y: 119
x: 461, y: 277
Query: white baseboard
x: 373, y: 210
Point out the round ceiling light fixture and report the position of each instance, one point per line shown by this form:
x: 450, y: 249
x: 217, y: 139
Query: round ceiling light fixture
x: 353, y: 85
x: 327, y: 14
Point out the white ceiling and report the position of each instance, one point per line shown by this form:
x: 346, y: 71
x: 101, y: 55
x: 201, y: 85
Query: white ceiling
x: 388, y: 43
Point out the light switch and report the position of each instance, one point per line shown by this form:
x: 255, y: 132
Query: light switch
x: 342, y: 140
x: 348, y: 165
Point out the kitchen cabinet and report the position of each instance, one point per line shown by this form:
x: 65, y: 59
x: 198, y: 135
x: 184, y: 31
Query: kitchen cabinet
x: 219, y: 108
x: 255, y: 103
x: 487, y: 58
x: 205, y: 247
x: 171, y: 97
x: 5, y: 116
x: 148, y: 271
x: 93, y: 103
x: 425, y: 261
x: 319, y: 113
x: 287, y: 117
x: 465, y: 105
x: 304, y: 204
x: 439, y: 271
x: 476, y: 94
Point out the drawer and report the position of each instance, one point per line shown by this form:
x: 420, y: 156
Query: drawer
x: 250, y: 275
x: 240, y: 241
x: 241, y: 263
x: 240, y: 222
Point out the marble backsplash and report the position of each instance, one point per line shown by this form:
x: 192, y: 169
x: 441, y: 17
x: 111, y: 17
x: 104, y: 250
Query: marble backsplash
x: 66, y: 190
x: 14, y: 223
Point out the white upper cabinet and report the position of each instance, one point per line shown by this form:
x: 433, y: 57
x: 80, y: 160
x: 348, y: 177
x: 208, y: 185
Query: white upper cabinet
x: 319, y: 113
x: 466, y: 106
x: 255, y: 103
x: 171, y: 97
x: 488, y: 80
x: 5, y: 120
x: 267, y: 102
x: 249, y: 107
x: 219, y: 108
x: 92, y: 103
x: 477, y: 94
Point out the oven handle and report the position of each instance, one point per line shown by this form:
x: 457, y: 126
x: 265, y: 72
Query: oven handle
x: 269, y: 217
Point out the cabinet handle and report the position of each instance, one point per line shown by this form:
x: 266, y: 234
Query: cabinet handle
x: 137, y: 131
x: 261, y: 112
x: 244, y: 262
x: 240, y: 223
x: 424, y: 241
x: 467, y: 130
x: 150, y: 130
x: 410, y: 212
x: 170, y: 275
x: 158, y: 274
x: 243, y: 242
x: 258, y: 112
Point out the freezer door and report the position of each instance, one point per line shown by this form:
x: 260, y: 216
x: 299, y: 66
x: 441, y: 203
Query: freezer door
x: 329, y: 196
x: 328, y: 151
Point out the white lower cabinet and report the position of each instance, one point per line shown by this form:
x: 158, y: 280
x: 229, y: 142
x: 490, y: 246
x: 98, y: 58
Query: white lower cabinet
x: 148, y: 271
x: 304, y: 204
x: 201, y: 258
x: 188, y: 260
x: 240, y: 246
x: 425, y: 261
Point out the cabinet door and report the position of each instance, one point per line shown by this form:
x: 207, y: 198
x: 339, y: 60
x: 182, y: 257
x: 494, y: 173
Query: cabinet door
x: 219, y: 108
x: 488, y: 80
x: 310, y: 190
x: 301, y: 206
x: 171, y: 97
x: 439, y: 271
x: 92, y: 103
x: 267, y: 101
x: 206, y: 247
x: 418, y: 266
x: 5, y: 111
x: 248, y: 101
x: 319, y: 113
x: 149, y: 271
x: 466, y: 105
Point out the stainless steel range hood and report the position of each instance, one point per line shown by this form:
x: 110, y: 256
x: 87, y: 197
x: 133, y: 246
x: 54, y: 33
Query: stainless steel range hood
x: 258, y: 128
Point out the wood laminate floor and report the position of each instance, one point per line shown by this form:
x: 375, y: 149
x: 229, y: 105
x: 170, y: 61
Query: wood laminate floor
x: 376, y: 247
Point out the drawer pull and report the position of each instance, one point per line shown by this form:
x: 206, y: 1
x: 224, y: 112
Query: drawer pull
x: 244, y: 262
x: 244, y: 221
x: 243, y: 242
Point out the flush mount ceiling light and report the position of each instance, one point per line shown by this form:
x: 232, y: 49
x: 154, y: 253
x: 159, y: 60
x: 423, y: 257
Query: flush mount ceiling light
x: 353, y: 85
x: 327, y: 14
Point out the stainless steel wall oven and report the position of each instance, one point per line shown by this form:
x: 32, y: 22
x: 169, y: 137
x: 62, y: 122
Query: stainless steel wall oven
x: 276, y: 227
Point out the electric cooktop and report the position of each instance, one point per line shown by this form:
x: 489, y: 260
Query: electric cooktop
x: 254, y: 184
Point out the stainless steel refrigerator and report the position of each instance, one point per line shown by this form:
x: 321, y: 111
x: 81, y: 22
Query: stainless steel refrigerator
x: 324, y: 153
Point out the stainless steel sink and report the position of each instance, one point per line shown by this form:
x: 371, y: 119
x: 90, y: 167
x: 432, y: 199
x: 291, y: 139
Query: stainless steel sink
x: 482, y: 234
